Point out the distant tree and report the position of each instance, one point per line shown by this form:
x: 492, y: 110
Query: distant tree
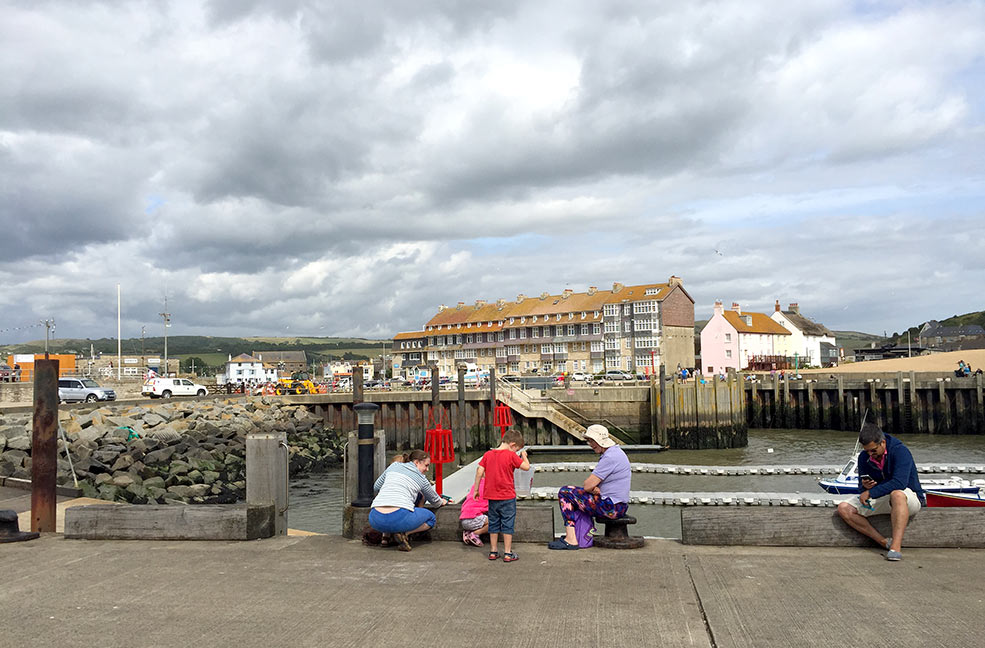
x: 194, y: 364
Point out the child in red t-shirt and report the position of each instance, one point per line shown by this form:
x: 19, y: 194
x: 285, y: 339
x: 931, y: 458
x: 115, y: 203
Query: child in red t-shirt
x: 497, y: 467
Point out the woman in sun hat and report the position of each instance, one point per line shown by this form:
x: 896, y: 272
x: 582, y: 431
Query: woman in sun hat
x: 604, y: 494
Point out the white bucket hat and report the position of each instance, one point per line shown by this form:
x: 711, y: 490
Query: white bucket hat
x: 600, y: 435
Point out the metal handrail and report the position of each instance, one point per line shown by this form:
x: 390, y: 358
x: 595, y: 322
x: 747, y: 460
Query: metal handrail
x: 609, y: 424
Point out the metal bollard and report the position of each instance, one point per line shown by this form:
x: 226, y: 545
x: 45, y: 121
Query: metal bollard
x: 267, y: 474
x: 366, y: 415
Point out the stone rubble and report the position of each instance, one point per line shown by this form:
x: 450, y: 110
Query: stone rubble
x: 191, y: 452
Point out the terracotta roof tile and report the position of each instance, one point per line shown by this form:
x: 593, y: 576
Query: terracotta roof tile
x: 410, y: 335
x: 573, y: 302
x: 760, y: 323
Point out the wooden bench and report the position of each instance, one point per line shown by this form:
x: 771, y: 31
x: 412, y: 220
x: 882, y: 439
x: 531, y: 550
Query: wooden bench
x: 794, y: 526
x: 169, y: 522
x: 617, y: 534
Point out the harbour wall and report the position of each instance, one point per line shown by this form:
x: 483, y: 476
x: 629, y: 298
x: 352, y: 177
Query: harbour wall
x: 898, y: 403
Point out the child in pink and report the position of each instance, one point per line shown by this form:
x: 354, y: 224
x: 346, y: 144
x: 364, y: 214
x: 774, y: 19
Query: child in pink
x: 473, y: 519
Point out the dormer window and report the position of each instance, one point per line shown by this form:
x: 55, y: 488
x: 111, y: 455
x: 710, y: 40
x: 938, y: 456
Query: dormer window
x: 523, y: 320
x: 571, y: 316
x: 534, y: 319
x: 558, y: 318
x: 512, y: 319
x: 584, y: 314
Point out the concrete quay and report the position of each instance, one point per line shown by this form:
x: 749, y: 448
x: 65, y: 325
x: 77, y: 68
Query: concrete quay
x: 328, y: 591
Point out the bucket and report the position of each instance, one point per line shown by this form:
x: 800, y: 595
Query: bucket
x: 523, y: 481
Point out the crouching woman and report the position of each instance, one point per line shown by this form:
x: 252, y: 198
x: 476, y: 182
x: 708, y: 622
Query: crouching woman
x: 398, y: 489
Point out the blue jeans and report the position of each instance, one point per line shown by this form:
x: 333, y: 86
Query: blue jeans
x: 401, y: 520
x: 502, y: 516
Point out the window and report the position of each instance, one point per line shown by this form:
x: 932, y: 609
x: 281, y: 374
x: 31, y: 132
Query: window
x: 625, y: 326
x: 514, y: 367
x: 651, y: 291
x: 728, y: 337
x: 644, y: 342
x: 547, y: 348
x: 512, y: 319
x: 500, y: 336
x: 558, y: 318
x: 561, y: 348
x: 512, y: 334
x: 728, y: 353
x: 585, y: 329
x: 513, y: 349
x: 596, y: 346
x: 523, y: 334
x: 584, y: 314
x: 597, y: 366
x: 642, y: 308
x: 612, y: 327
x: 610, y: 310
x: 596, y: 329
x: 562, y: 366
x: 612, y: 343
x: 535, y: 332
x: 571, y: 329
x: 626, y: 308
x: 546, y: 368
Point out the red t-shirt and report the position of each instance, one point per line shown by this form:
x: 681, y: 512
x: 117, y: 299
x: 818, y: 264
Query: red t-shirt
x: 499, y: 465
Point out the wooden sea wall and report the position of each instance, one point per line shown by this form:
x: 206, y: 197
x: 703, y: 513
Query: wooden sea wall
x: 698, y: 416
x: 898, y: 403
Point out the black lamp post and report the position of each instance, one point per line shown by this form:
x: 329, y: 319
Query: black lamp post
x: 366, y: 415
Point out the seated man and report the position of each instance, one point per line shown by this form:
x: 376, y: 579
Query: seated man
x: 889, y: 476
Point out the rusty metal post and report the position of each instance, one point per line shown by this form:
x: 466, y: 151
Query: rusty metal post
x: 44, y: 446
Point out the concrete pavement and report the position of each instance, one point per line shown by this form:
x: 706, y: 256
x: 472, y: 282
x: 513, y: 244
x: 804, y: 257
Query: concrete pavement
x: 328, y: 591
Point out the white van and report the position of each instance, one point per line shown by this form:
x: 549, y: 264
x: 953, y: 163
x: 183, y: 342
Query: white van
x: 168, y: 387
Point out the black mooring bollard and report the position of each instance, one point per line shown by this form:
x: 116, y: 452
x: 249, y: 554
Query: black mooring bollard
x: 366, y: 416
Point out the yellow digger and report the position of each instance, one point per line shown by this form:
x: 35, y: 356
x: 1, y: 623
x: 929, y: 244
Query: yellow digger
x: 299, y: 383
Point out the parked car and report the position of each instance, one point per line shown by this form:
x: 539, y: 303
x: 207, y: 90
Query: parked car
x: 78, y: 390
x: 6, y: 373
x: 580, y: 376
x: 168, y: 387
x: 616, y: 374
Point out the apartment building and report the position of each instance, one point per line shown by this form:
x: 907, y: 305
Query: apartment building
x: 634, y: 328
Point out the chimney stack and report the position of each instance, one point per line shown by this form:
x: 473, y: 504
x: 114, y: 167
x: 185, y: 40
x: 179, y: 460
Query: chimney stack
x: 795, y: 307
x: 441, y: 307
x: 460, y: 305
x: 777, y: 306
x: 616, y: 287
x: 735, y: 307
x: 592, y: 290
x: 674, y: 280
x: 500, y: 303
x: 566, y: 293
x: 520, y: 298
x: 479, y: 303
x: 544, y: 295
x: 718, y: 307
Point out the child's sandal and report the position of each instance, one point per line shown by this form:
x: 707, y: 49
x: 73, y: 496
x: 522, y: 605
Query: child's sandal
x: 493, y: 555
x: 510, y: 557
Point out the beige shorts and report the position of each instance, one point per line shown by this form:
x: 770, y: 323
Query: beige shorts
x: 883, y: 506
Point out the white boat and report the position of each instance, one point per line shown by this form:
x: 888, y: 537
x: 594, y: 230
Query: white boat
x: 847, y: 482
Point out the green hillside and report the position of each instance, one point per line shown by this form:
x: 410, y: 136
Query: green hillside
x: 977, y: 317
x: 213, y: 351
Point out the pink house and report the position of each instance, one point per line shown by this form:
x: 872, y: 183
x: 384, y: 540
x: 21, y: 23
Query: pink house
x: 732, y: 337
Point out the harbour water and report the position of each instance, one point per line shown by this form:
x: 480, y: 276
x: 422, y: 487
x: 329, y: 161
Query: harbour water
x: 316, y: 501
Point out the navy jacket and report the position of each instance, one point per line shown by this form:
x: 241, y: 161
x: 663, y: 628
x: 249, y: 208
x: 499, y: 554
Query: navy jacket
x: 898, y: 472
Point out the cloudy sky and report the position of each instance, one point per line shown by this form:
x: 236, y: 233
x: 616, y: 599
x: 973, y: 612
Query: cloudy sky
x: 341, y: 168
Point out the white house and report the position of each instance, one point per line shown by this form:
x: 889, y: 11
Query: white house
x: 246, y: 368
x: 806, y: 336
x: 732, y: 339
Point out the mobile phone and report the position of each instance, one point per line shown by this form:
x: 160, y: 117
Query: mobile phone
x: 867, y: 477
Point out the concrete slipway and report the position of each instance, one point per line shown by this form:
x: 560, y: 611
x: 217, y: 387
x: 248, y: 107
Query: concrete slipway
x: 328, y: 591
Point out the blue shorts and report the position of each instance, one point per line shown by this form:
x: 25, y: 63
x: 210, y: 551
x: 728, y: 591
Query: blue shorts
x: 401, y: 520
x: 502, y: 516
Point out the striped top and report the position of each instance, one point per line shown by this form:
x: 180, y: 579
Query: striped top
x: 399, y: 486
